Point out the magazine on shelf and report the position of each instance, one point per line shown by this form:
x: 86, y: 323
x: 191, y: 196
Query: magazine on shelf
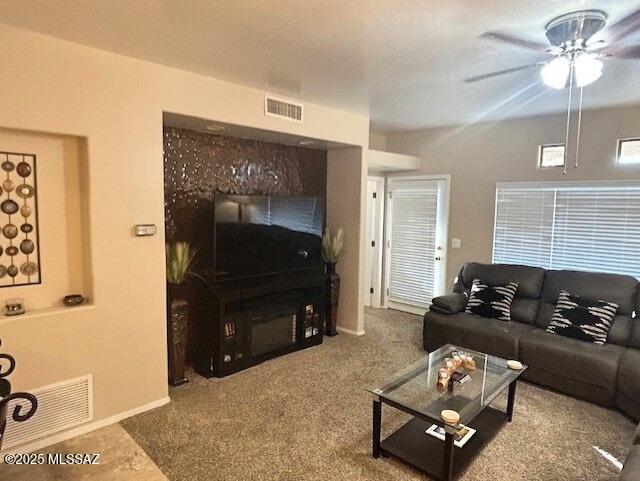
x: 460, y: 438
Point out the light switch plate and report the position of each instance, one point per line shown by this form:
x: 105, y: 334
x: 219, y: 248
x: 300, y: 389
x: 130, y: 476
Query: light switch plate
x: 456, y: 243
x: 144, y: 230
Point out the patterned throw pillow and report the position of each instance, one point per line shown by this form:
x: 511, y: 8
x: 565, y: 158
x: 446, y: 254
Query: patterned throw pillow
x: 582, y: 319
x: 493, y: 302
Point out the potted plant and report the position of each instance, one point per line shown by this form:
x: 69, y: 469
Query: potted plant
x: 180, y: 258
x: 331, y: 250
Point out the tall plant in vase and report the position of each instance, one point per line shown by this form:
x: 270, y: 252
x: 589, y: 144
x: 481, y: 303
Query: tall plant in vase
x: 331, y: 250
x: 180, y: 258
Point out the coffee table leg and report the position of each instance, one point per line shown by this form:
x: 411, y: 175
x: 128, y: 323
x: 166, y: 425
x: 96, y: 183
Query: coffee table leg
x: 377, y: 420
x: 448, y: 457
x: 511, y: 401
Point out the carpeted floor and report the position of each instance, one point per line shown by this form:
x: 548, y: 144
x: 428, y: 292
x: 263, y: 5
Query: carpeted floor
x: 307, y: 416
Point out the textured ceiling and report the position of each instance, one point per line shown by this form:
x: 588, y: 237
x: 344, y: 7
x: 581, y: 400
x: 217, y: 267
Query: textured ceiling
x: 400, y: 61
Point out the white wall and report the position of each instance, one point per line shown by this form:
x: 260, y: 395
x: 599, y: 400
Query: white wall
x: 477, y: 156
x: 116, y: 103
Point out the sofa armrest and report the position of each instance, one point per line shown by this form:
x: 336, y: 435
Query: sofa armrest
x: 449, y: 304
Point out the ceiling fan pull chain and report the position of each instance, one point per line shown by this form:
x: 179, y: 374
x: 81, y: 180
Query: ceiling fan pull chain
x: 566, y: 137
x: 579, y: 128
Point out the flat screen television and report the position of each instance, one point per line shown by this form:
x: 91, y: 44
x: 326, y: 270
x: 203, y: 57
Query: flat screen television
x: 260, y: 235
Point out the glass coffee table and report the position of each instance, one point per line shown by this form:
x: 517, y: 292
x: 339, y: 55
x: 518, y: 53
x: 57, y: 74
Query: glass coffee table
x: 414, y: 391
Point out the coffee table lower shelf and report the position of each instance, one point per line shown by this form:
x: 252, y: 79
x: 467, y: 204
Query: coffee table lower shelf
x: 412, y: 445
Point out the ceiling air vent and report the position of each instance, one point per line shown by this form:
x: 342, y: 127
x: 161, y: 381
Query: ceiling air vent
x: 283, y: 108
x: 60, y: 406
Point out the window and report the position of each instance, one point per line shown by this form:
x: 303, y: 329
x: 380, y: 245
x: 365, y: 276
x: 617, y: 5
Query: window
x: 629, y: 151
x: 551, y: 155
x: 579, y: 226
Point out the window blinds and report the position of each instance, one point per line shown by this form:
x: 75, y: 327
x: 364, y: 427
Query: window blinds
x: 413, y: 238
x: 303, y: 214
x: 578, y: 226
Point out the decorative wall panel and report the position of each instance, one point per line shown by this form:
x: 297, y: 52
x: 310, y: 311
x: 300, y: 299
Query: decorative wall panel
x: 19, y: 245
x: 198, y: 165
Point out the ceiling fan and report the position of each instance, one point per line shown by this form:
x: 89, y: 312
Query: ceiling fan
x: 578, y: 43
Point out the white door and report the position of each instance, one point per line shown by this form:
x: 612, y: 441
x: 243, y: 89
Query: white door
x: 375, y: 215
x: 416, y: 242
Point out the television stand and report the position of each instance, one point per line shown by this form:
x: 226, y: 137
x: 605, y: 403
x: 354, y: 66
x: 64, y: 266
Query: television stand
x: 246, y: 322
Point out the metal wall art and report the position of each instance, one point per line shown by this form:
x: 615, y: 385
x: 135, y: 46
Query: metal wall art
x: 19, y: 253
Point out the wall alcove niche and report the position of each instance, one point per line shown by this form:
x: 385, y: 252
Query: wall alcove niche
x: 199, y: 165
x: 59, y: 219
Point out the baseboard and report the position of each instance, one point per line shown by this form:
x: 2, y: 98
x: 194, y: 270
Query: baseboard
x: 85, y: 428
x: 349, y: 331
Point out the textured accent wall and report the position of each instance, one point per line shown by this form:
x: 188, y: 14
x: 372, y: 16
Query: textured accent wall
x: 198, y: 165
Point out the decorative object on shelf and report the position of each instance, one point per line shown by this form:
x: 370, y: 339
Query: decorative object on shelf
x: 515, y: 365
x: 450, y: 417
x: 19, y: 413
x: 469, y: 362
x: 331, y: 250
x: 73, y: 300
x: 14, y: 306
x: 19, y: 236
x: 444, y: 375
x: 457, y: 360
x: 180, y: 258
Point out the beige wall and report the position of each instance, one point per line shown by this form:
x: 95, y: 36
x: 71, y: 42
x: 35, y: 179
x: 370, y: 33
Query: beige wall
x: 116, y: 103
x: 377, y: 141
x: 478, y: 156
x: 346, y: 189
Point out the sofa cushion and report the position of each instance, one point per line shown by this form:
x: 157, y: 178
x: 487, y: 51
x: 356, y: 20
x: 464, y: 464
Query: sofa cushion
x: 618, y: 333
x: 604, y: 396
x: 529, y: 279
x: 620, y: 290
x: 492, y: 302
x: 485, y: 335
x: 582, y: 319
x: 577, y: 360
x: 628, y: 385
x: 614, y: 288
x: 631, y: 468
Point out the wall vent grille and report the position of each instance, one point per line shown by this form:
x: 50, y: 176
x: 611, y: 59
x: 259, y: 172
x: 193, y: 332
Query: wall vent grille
x: 283, y: 108
x: 61, y: 406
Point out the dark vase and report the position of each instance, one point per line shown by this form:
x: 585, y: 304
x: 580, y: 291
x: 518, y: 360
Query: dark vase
x: 177, y: 325
x: 333, y: 288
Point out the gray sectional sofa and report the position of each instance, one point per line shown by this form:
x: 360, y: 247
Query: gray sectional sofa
x: 607, y: 374
x: 631, y: 469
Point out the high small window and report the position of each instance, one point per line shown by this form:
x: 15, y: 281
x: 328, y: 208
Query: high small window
x: 551, y: 155
x: 629, y: 151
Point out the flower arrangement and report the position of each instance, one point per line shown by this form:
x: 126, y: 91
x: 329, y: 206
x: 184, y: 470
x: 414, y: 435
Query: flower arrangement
x: 180, y: 257
x: 332, y: 246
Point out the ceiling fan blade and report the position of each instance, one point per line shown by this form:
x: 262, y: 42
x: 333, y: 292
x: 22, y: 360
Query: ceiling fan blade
x: 622, y: 28
x: 513, y: 40
x: 596, y: 45
x: 630, y: 53
x: 497, y: 73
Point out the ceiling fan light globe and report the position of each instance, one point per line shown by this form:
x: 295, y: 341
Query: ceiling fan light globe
x: 588, y: 69
x: 555, y: 73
